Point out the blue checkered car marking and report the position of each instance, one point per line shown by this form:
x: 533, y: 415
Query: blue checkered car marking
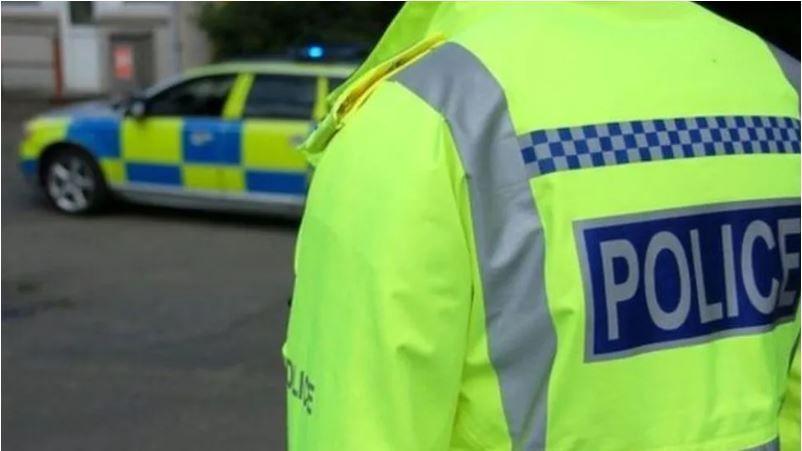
x: 589, y: 146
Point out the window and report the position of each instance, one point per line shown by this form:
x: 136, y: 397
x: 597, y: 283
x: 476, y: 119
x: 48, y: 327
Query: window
x: 281, y: 96
x: 80, y: 13
x: 197, y: 97
x: 335, y: 82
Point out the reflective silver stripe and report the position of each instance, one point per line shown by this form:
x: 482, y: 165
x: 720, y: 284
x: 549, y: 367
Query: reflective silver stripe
x: 789, y: 65
x: 773, y: 445
x: 508, y: 232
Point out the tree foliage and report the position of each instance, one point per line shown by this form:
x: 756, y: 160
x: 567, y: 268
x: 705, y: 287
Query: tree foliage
x: 238, y: 29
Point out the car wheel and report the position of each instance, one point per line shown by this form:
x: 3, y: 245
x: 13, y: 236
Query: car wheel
x: 73, y: 183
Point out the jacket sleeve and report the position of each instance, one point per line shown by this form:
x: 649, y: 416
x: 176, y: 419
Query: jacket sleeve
x: 379, y: 318
x: 789, y: 412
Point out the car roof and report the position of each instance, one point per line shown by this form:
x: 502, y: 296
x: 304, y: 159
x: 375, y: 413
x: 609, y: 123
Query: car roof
x: 339, y: 70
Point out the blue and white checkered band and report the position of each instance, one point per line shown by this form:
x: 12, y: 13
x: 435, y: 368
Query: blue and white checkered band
x: 589, y: 146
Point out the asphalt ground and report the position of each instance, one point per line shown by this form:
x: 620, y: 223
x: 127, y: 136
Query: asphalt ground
x: 140, y: 328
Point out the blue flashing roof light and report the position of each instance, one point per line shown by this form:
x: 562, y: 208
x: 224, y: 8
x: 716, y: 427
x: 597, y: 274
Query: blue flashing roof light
x: 314, y: 52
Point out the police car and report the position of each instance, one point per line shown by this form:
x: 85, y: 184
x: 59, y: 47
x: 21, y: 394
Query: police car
x: 219, y: 137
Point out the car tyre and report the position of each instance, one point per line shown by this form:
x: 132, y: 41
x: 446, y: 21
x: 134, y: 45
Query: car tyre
x: 73, y: 183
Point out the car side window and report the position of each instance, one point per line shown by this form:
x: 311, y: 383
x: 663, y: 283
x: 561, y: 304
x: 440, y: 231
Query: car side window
x: 203, y: 96
x: 335, y: 82
x: 281, y: 96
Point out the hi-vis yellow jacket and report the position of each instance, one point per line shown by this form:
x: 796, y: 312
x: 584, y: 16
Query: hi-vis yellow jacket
x: 552, y: 226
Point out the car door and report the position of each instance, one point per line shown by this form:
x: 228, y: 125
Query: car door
x: 277, y: 116
x: 182, y: 141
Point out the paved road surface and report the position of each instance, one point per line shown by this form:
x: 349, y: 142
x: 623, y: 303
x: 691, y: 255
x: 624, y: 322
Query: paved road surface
x: 140, y: 329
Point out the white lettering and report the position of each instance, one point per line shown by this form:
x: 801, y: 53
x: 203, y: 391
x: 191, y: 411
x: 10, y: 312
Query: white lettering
x: 763, y: 304
x: 729, y: 271
x: 618, y: 292
x: 707, y: 311
x: 663, y: 319
x: 789, y: 260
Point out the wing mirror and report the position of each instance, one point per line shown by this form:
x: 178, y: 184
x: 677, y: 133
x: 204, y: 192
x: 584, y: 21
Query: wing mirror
x: 137, y: 108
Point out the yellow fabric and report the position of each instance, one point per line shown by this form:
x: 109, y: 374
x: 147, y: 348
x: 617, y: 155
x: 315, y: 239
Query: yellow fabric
x: 418, y: 27
x: 644, y: 61
x: 729, y: 373
x: 366, y: 328
x: 358, y: 90
x: 789, y: 413
x: 415, y: 23
x: 387, y: 346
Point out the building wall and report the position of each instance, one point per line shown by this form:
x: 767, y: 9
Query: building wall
x: 164, y: 45
x: 83, y: 69
x: 35, y: 35
x: 28, y: 61
x: 29, y: 42
x: 195, y: 47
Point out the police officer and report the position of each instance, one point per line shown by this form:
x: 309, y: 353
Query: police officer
x: 552, y: 226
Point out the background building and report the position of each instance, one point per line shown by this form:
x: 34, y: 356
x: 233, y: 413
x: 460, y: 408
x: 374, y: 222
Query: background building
x: 76, y: 49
